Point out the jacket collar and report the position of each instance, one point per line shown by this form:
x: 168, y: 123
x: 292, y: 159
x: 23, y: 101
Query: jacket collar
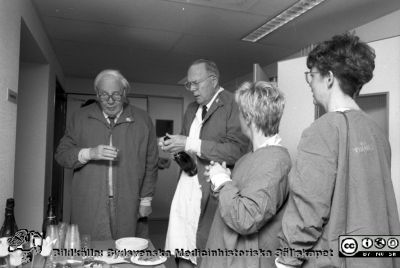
x: 218, y: 102
x: 95, y: 112
x: 214, y: 106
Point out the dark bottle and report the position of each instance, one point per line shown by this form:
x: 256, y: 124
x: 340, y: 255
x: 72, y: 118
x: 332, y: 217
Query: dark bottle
x: 9, y: 227
x: 51, y: 218
x: 185, y: 161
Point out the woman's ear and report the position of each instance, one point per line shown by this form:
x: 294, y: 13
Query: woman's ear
x: 330, y: 79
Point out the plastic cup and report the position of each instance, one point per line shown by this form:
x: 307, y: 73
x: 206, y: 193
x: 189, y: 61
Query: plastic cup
x: 62, y: 231
x: 72, y: 238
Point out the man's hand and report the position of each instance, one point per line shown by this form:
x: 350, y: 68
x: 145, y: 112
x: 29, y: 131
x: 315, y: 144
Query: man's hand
x: 103, y: 152
x: 144, y: 211
x: 173, y: 145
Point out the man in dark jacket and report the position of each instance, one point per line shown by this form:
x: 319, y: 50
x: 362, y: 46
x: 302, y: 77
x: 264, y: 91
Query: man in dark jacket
x: 112, y: 148
x: 211, y: 131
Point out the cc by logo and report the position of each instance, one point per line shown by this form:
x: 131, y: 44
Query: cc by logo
x: 349, y: 246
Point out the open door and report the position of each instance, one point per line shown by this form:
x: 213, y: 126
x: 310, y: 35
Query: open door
x: 60, y: 115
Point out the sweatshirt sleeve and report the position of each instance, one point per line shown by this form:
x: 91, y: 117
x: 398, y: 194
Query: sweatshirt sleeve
x: 246, y: 210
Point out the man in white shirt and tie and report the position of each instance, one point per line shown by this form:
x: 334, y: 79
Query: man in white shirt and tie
x: 211, y: 132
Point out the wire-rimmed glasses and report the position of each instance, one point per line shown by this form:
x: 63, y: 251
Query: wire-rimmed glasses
x: 116, y: 96
x: 196, y: 84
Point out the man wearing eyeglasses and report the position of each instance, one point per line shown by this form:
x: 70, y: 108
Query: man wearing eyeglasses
x: 112, y: 148
x: 211, y: 132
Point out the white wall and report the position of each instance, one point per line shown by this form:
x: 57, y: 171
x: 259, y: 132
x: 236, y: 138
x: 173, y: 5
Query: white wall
x: 30, y: 159
x: 270, y: 70
x: 384, y: 27
x: 9, y: 58
x: 11, y: 13
x: 387, y: 79
x: 299, y: 107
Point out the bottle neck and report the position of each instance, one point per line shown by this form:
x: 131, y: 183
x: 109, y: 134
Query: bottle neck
x: 50, y: 210
x: 51, y: 215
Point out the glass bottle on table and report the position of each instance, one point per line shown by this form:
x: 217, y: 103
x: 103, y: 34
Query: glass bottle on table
x: 51, y: 218
x: 8, y: 229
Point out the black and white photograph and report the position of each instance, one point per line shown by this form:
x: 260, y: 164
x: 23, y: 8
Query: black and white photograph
x: 200, y: 133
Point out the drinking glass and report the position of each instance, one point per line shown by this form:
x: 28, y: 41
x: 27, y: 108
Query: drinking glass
x: 72, y: 239
x: 62, y: 230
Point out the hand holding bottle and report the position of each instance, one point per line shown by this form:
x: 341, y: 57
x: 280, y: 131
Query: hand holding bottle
x: 184, y: 160
x: 173, y: 143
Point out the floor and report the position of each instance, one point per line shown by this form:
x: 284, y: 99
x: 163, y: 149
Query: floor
x: 157, y: 233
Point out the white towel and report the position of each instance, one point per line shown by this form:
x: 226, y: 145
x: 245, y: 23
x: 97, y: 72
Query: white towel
x: 184, y: 216
x: 185, y: 208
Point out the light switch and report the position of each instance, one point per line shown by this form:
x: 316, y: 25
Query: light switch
x: 12, y: 96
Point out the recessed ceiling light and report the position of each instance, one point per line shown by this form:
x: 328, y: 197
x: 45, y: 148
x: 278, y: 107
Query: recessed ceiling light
x: 281, y: 19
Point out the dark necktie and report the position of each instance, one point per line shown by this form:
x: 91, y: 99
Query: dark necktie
x: 112, y: 121
x: 204, y: 112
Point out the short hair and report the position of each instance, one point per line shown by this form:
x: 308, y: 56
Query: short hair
x: 211, y: 67
x: 114, y: 73
x: 262, y: 103
x: 350, y: 60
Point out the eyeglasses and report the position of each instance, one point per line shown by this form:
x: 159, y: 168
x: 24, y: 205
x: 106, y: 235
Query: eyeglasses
x: 309, y: 76
x: 116, y: 96
x: 196, y: 84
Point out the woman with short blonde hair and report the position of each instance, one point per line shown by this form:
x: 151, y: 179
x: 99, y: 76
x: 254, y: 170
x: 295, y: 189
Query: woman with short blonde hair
x: 252, y: 198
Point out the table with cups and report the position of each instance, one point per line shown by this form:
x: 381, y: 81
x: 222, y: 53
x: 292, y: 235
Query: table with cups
x: 63, y: 239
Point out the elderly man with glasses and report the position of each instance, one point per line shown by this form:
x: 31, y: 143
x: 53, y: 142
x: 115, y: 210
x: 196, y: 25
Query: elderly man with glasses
x: 112, y: 148
x: 211, y: 132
